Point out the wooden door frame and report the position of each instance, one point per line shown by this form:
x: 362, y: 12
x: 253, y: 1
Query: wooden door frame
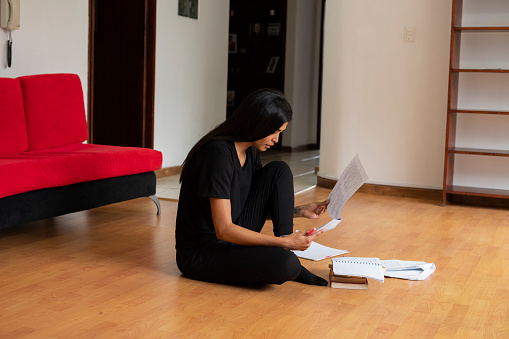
x: 148, y: 72
x: 320, y: 77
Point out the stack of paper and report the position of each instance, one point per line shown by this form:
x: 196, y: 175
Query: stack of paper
x: 410, y: 270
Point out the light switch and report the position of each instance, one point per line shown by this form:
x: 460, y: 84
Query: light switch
x: 409, y: 34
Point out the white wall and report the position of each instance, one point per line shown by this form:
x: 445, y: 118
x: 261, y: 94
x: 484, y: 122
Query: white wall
x: 53, y: 38
x: 384, y: 98
x: 301, y: 70
x: 191, y: 76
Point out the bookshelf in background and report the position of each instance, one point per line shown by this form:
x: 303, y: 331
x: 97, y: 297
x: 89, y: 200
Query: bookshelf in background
x: 257, y: 43
x: 478, y: 79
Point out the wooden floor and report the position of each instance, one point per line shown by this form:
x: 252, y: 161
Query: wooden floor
x: 110, y: 272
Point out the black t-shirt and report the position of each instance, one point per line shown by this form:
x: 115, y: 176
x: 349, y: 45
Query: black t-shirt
x: 214, y: 171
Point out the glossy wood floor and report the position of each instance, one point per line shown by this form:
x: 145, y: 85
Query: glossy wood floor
x: 110, y: 273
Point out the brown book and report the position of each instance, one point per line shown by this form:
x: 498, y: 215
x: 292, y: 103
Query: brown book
x: 349, y: 286
x: 347, y: 282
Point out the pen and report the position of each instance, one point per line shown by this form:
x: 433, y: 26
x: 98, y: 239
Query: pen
x: 311, y: 232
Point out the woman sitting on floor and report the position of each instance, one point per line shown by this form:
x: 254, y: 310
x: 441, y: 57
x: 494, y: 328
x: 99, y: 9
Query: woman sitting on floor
x: 227, y: 195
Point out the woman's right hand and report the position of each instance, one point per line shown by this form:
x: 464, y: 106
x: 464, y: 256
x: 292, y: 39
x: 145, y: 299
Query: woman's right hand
x: 300, y: 241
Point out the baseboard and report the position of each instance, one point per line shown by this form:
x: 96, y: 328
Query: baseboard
x: 398, y: 191
x: 168, y: 171
x: 462, y: 199
x: 410, y: 192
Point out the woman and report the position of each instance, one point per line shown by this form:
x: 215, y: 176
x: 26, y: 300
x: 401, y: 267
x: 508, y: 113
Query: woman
x: 226, y: 196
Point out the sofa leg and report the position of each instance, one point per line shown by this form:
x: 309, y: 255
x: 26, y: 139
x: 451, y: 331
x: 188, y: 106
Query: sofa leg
x: 156, y: 200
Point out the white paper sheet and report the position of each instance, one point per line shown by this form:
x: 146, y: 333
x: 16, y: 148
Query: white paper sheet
x: 317, y: 252
x: 409, y: 270
x: 352, y: 178
x: 329, y: 226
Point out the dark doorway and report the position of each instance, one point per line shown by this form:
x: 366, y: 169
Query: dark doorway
x: 256, y: 50
x: 121, y: 72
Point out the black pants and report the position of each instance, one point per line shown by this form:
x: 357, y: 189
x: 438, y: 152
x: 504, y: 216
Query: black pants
x: 271, y: 194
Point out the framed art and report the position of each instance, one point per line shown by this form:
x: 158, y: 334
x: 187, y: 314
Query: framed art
x: 272, y: 64
x: 232, y: 43
x: 255, y: 28
x: 188, y: 8
x: 230, y: 98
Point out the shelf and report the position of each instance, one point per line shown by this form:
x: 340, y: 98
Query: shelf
x: 481, y: 29
x: 479, y: 192
x: 471, y: 111
x: 494, y: 86
x: 480, y: 70
x: 479, y: 151
x: 260, y: 37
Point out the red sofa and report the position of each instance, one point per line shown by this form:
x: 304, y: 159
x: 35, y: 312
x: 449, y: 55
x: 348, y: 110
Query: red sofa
x: 46, y: 169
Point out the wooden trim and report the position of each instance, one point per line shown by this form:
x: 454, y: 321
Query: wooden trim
x: 471, y: 111
x: 168, y: 171
x: 149, y: 76
x: 325, y: 183
x: 486, y: 201
x: 452, y: 100
x: 480, y: 151
x: 471, y: 70
x: 90, y: 101
x: 409, y: 192
x: 482, y: 29
x: 320, y: 77
x: 397, y: 191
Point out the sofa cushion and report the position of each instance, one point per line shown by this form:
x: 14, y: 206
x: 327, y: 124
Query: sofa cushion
x: 72, y: 164
x: 13, y: 133
x: 54, y: 110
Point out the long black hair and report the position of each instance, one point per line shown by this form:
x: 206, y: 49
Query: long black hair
x: 262, y: 113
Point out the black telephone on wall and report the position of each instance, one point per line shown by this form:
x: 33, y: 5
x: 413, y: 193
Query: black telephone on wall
x: 9, y: 20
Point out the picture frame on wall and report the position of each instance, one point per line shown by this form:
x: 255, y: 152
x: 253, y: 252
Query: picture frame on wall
x: 232, y: 43
x: 188, y: 8
x: 271, y: 68
x: 230, y: 98
x: 255, y: 28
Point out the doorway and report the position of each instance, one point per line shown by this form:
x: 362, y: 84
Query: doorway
x: 122, y: 72
x: 258, y: 32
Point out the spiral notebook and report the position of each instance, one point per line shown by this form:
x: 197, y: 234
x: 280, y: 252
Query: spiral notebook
x: 359, y: 267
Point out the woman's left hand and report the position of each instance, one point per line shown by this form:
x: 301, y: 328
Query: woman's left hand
x: 311, y: 211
